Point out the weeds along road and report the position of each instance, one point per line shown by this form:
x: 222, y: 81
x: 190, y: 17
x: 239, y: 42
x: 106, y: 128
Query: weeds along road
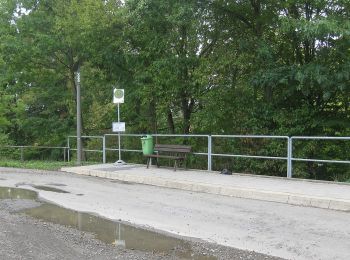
x: 274, y: 229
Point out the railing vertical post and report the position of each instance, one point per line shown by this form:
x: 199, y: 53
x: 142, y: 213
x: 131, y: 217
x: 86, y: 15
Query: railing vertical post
x: 22, y: 154
x: 209, y: 153
x: 119, y: 150
x: 104, y: 149
x: 64, y: 154
x: 289, y: 158
x: 68, y: 152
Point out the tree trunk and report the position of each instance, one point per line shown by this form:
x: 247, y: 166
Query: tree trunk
x: 171, y: 122
x: 187, y: 109
x: 153, y: 116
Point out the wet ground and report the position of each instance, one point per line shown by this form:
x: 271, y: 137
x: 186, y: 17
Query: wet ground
x: 34, y: 229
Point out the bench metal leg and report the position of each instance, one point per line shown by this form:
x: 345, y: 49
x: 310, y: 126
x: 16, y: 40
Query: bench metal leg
x: 182, y: 162
x: 175, y: 165
x: 148, y: 161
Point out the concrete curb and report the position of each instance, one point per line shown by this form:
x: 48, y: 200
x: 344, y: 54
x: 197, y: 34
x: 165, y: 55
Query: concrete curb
x: 281, y: 197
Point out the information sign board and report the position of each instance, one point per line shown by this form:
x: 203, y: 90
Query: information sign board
x: 118, y: 96
x: 118, y: 126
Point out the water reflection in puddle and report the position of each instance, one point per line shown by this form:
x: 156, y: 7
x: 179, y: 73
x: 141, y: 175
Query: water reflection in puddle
x: 111, y: 232
x: 122, y: 235
x: 16, y: 193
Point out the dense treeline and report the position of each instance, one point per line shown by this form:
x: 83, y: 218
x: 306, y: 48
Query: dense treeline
x: 188, y: 66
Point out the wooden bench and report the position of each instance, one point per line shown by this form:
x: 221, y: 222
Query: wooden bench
x: 169, y: 151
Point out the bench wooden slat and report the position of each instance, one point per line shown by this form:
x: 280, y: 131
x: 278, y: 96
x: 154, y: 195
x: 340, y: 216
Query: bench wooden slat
x: 172, y: 148
x: 166, y: 156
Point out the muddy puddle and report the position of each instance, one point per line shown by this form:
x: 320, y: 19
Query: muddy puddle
x: 108, y: 231
x: 47, y: 188
x: 122, y: 182
x: 57, y: 184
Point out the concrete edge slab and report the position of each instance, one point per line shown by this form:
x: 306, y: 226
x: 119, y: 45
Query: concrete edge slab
x: 280, y: 197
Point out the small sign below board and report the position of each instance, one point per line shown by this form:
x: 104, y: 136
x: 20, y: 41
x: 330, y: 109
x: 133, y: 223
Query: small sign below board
x: 118, y: 96
x: 118, y: 126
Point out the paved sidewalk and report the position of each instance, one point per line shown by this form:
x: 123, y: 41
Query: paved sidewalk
x: 327, y: 195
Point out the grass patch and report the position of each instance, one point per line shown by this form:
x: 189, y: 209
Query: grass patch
x: 38, y: 165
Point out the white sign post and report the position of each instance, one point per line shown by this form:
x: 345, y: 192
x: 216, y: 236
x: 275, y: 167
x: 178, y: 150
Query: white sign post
x: 118, y: 98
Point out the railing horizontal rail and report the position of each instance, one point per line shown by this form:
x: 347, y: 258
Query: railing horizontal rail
x: 175, y: 135
x: 321, y: 137
x: 249, y: 156
x: 125, y: 135
x: 318, y: 160
x: 140, y: 151
x: 124, y: 150
x: 159, y: 135
x: 87, y: 150
x: 34, y: 146
x: 87, y: 136
x: 252, y: 136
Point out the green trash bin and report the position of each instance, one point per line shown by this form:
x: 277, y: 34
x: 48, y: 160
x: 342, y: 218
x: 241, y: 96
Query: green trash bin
x: 147, y: 144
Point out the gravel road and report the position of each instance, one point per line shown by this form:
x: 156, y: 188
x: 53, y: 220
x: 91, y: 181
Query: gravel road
x: 25, y: 237
x: 273, y: 229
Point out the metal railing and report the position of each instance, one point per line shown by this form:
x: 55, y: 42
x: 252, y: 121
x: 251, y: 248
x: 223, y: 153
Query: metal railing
x: 254, y: 156
x: 289, y: 148
x: 156, y: 136
x: 209, y: 138
x: 291, y: 158
x: 23, y: 147
x: 87, y: 150
x: 105, y: 148
x: 210, y: 143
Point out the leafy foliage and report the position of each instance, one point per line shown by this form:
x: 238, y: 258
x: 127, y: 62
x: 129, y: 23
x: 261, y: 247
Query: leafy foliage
x: 188, y: 66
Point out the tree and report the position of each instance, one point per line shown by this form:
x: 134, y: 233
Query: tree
x: 170, y: 45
